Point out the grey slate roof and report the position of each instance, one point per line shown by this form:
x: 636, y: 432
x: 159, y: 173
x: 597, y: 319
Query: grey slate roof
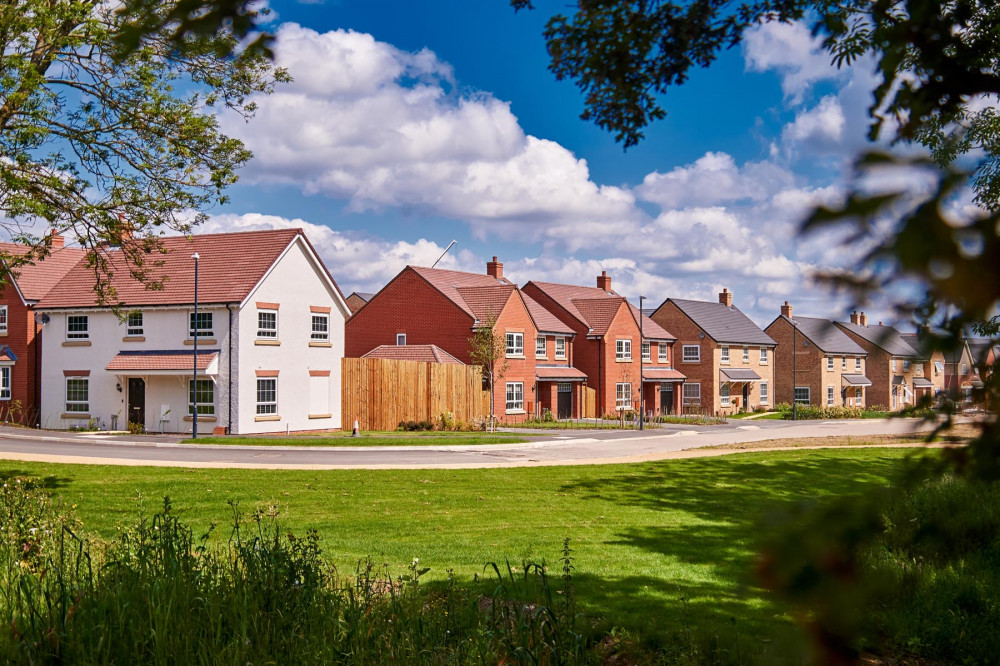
x: 826, y: 336
x: 855, y: 380
x: 980, y: 349
x: 739, y: 375
x: 886, y: 338
x: 723, y: 324
x: 363, y: 295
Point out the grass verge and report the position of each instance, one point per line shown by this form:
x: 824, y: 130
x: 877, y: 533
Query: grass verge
x: 368, y: 439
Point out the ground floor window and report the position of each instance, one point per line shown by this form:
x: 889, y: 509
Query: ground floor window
x: 763, y: 390
x: 5, y: 382
x: 623, y: 395
x: 515, y: 396
x: 802, y: 395
x: 267, y: 396
x: 724, y: 395
x: 78, y: 395
x: 858, y: 393
x: 830, y: 392
x: 692, y: 394
x: 202, y: 392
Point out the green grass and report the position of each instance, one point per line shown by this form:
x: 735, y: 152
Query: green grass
x: 659, y: 546
x: 368, y: 439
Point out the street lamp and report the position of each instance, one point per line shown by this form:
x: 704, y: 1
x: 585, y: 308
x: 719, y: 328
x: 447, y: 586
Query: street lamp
x: 194, y: 372
x: 642, y: 387
x: 795, y: 376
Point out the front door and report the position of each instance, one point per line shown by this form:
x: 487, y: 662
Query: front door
x: 564, y: 409
x: 746, y: 396
x: 666, y: 398
x: 137, y: 400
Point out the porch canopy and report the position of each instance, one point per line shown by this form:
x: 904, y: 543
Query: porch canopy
x: 660, y: 375
x: 560, y: 373
x: 977, y: 383
x: 855, y: 380
x: 738, y: 375
x: 922, y: 383
x: 164, y: 362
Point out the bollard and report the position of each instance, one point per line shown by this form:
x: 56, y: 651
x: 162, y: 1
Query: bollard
x: 355, y: 432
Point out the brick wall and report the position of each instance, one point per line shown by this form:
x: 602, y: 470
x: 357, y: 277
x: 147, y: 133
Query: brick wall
x: 20, y: 337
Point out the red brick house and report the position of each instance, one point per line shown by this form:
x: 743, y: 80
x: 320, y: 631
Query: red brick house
x: 357, y: 299
x: 607, y: 331
x: 428, y: 306
x: 20, y: 347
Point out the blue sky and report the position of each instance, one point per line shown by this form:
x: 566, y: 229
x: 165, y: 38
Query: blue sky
x: 412, y: 124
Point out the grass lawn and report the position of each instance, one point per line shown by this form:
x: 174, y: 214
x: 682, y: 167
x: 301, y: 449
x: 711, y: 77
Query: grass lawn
x: 392, y: 438
x: 659, y: 546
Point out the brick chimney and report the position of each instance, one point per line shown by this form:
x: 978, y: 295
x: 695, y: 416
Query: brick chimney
x: 855, y: 318
x: 726, y: 298
x: 863, y: 319
x: 786, y: 310
x: 56, y: 241
x: 494, y: 268
x: 604, y: 281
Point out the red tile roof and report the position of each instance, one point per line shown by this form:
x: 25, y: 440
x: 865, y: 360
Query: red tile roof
x: 580, y: 302
x: 545, y: 321
x: 650, y: 329
x: 662, y: 375
x: 559, y: 373
x: 460, y: 287
x: 598, y: 313
x: 424, y: 353
x: 160, y: 360
x: 37, y: 279
x: 230, y: 265
x: 486, y: 302
x: 565, y: 294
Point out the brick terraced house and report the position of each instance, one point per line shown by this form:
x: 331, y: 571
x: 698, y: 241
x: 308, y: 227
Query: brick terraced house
x: 728, y: 359
x: 828, y: 368
x: 444, y: 308
x: 897, y: 370
x: 608, y: 349
x: 20, y: 341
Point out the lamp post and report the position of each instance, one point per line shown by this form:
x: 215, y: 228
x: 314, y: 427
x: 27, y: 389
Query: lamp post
x: 795, y: 376
x: 194, y: 369
x: 642, y: 387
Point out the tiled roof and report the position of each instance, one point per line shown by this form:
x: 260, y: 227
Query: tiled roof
x: 596, y: 308
x: 662, y: 375
x: 37, y: 279
x: 557, y: 373
x: 855, y: 380
x: 424, y: 353
x: 598, y: 313
x: 363, y: 295
x: 486, y: 302
x: 826, y: 336
x: 980, y: 349
x: 566, y: 294
x: 229, y: 267
x: 739, y: 375
x: 922, y: 382
x: 7, y: 354
x: 160, y: 360
x: 545, y: 321
x: 650, y: 329
x: 886, y: 338
x: 722, y: 323
x: 449, y: 283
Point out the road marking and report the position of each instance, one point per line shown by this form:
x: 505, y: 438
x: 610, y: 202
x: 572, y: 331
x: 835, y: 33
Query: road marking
x: 748, y: 427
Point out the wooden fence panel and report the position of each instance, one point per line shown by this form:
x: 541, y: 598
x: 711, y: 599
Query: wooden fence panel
x: 589, y: 407
x: 380, y: 392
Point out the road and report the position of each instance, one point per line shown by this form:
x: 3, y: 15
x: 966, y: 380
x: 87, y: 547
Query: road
x: 576, y: 448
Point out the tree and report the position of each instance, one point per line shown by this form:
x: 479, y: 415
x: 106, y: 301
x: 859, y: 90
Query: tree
x: 111, y: 147
x: 488, y: 350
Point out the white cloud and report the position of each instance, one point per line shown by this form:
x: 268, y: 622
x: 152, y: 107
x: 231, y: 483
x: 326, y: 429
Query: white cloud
x: 712, y: 179
x: 792, y: 51
x: 822, y: 126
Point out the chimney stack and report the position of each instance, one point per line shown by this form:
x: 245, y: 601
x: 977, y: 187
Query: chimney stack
x: 855, y: 318
x: 604, y: 281
x: 726, y: 298
x: 786, y: 310
x: 56, y: 241
x: 495, y: 268
x: 863, y: 319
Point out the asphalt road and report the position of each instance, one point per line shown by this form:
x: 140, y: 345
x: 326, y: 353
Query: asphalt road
x: 575, y: 448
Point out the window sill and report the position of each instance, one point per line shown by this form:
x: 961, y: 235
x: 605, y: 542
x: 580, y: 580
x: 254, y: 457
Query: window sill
x: 515, y: 411
x: 321, y: 416
x: 691, y: 362
x: 201, y: 417
x: 320, y: 344
x: 134, y: 338
x: 623, y: 360
x: 3, y: 333
x: 202, y: 341
x: 75, y: 415
x: 515, y: 356
x: 560, y: 358
x: 267, y: 343
x: 267, y: 417
x: 76, y: 343
x: 541, y: 358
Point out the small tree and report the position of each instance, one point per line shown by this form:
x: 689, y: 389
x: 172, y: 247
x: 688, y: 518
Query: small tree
x: 488, y: 350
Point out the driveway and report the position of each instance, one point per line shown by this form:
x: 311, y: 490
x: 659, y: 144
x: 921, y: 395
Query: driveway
x: 571, y: 448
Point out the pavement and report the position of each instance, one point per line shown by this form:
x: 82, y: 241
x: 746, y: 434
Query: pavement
x: 581, y: 447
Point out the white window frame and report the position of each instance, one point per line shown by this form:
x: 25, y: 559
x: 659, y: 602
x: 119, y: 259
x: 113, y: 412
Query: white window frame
x: 829, y: 363
x: 134, y: 324
x: 647, y: 352
x: 859, y: 393
x: 830, y: 396
x: 802, y: 401
x: 205, y: 407
x: 691, y: 358
x: 746, y: 354
x: 541, y: 350
x: 3, y: 318
x: 661, y: 352
x: 918, y: 370
x: 763, y: 356
x: 843, y: 363
x: 560, y: 349
x: 764, y: 397
x: 401, y: 339
x: 79, y: 334
x: 264, y: 329
x: 201, y: 332
x: 623, y: 349
x: 857, y: 363
x: 319, y: 333
x: 725, y: 392
x: 5, y: 373
x: 267, y: 407
x: 515, y: 344
x: 691, y: 393
x: 514, y: 397
x: 73, y: 406
x: 724, y: 354
x: 623, y: 395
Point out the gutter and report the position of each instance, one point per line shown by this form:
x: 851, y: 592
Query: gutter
x: 229, y: 358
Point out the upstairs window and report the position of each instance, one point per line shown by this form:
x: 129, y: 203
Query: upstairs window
x: 746, y: 354
x: 540, y: 347
x: 661, y: 355
x: 515, y: 344
x: 561, y: 348
x: 724, y: 350
x: 829, y: 363
x: 623, y: 350
x: 843, y: 363
x: 200, y: 325
x: 906, y: 366
x: 763, y: 354
x: 320, y: 328
x: 401, y: 339
x: 3, y: 318
x: 857, y: 363
x: 691, y: 353
x: 78, y: 327
x: 647, y: 355
x: 133, y: 326
x: 267, y: 324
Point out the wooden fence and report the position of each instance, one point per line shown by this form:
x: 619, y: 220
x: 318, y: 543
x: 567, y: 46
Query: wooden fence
x: 588, y: 403
x: 381, y: 392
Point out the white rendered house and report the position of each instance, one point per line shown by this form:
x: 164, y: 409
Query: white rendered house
x: 269, y: 329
